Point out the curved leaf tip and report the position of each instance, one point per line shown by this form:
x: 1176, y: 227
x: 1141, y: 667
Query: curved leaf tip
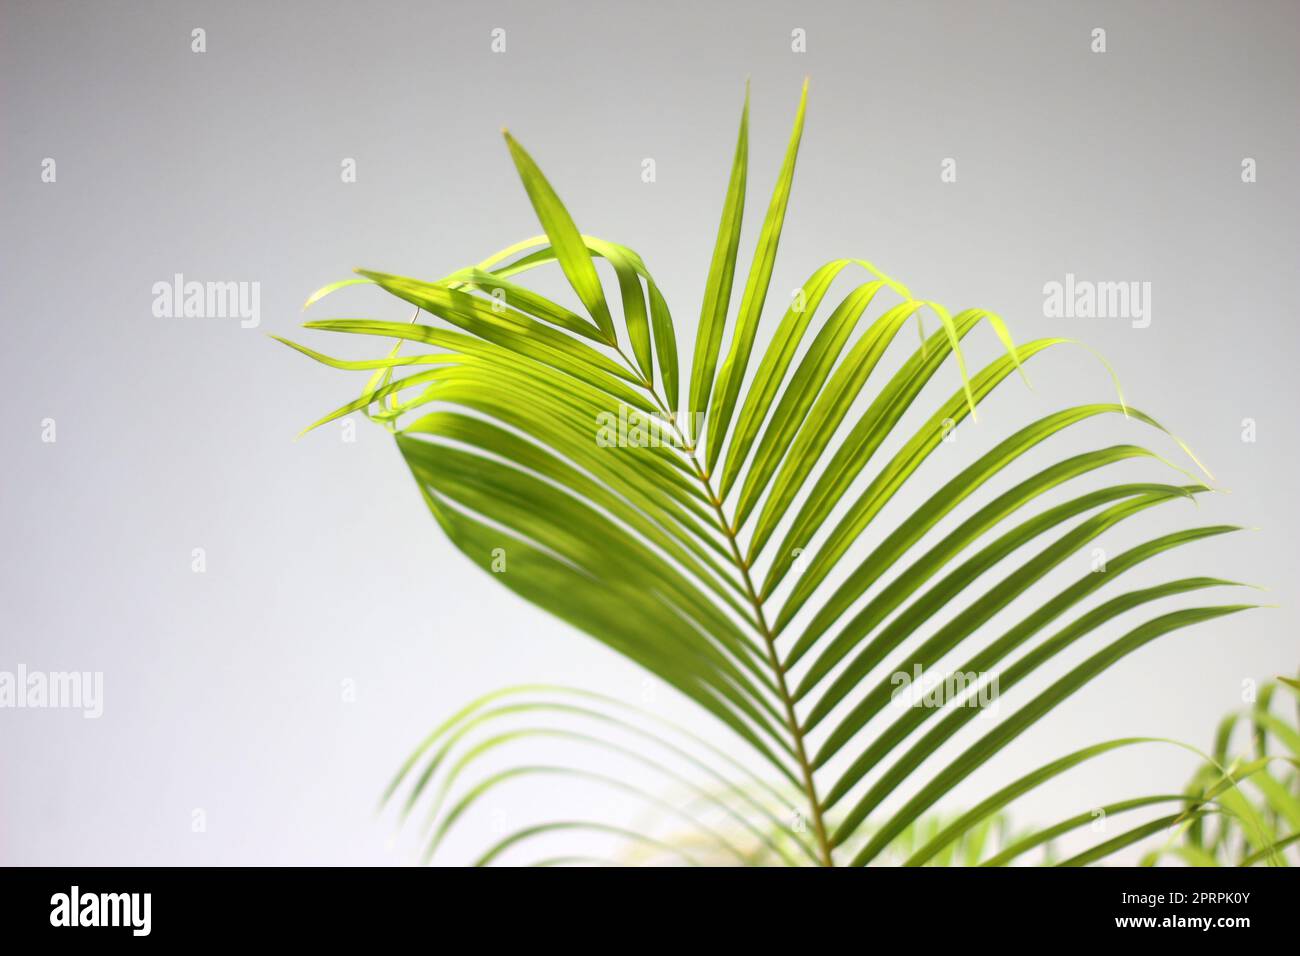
x: 332, y: 287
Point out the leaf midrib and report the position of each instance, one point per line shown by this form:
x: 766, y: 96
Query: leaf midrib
x: 764, y: 630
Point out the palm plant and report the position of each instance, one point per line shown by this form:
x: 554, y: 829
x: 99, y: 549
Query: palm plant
x: 1257, y: 820
x: 704, y: 527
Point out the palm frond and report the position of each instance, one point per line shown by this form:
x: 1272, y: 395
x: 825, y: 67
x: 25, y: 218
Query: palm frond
x: 1256, y: 795
x: 716, y: 552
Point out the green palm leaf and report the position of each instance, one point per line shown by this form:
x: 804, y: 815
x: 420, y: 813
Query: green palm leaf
x: 716, y: 552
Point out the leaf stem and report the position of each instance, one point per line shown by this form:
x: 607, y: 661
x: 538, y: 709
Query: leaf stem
x: 778, y: 671
x: 769, y: 640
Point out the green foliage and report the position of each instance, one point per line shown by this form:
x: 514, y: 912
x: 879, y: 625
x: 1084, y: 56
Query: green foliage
x: 1256, y: 820
x: 716, y: 554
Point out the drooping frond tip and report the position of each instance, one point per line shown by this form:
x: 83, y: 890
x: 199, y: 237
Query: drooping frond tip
x: 331, y: 287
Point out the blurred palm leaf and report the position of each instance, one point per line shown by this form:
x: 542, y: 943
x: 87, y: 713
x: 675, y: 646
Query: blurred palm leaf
x: 1255, y: 821
x: 710, y: 541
